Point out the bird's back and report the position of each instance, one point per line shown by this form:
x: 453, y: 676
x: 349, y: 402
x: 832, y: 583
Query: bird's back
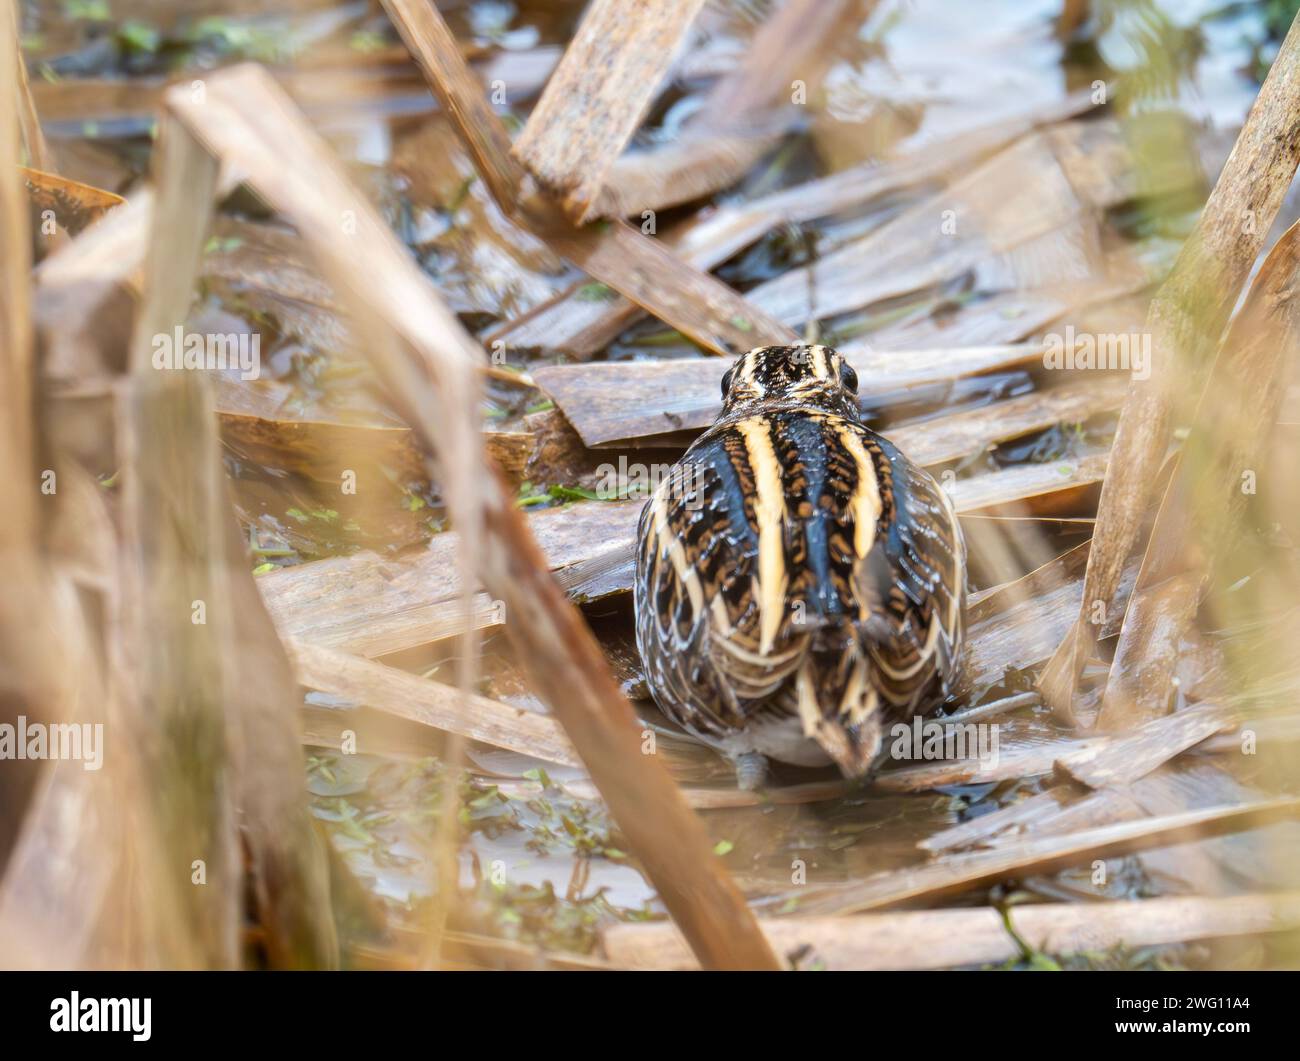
x: 797, y: 568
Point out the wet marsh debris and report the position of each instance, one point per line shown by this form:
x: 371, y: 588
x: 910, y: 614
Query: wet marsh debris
x: 946, y: 939
x: 743, y: 117
x: 604, y: 401
x: 611, y: 252
x: 501, y: 332
x: 582, y: 122
x: 1186, y: 319
x: 367, y: 683
x: 581, y: 326
x: 955, y: 873
x: 35, y: 149
x: 1204, y: 505
x: 76, y: 204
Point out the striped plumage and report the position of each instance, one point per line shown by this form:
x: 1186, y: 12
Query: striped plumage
x: 799, y: 582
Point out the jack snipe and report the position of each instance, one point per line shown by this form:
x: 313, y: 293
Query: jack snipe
x: 799, y: 582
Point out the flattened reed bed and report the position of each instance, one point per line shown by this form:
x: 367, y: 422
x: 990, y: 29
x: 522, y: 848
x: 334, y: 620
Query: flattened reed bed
x: 920, y: 311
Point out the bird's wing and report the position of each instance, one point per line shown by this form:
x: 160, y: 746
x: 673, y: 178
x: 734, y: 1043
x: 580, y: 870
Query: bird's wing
x: 713, y: 623
x: 916, y: 579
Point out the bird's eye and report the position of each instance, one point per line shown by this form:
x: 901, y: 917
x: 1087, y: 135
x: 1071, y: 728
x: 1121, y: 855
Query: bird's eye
x: 848, y: 378
x: 726, y: 382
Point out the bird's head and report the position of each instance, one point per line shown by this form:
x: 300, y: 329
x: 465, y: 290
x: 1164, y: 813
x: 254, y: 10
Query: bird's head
x: 815, y: 376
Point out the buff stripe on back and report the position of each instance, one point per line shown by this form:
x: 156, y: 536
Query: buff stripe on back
x: 769, y: 515
x: 865, y: 503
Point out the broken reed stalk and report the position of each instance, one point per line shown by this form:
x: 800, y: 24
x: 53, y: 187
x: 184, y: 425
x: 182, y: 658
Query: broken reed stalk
x: 266, y: 424
x: 948, y: 939
x: 641, y: 268
x: 957, y: 873
x: 86, y: 885
x: 1185, y: 322
x: 1124, y: 759
x: 437, y: 54
x: 794, y: 43
x: 85, y: 293
x: 288, y: 871
x: 85, y: 867
x: 28, y: 682
x: 1094, y: 761
x: 15, y: 294
x: 599, y: 94
x: 38, y: 152
x: 363, y: 681
x: 248, y: 122
x: 742, y: 117
x: 1204, y: 503
x: 615, y: 401
x: 220, y: 704
x: 1064, y: 809
x: 461, y: 433
x: 78, y: 291
x: 75, y: 205
x: 177, y: 616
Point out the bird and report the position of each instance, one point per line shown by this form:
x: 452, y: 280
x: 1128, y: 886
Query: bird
x: 800, y: 584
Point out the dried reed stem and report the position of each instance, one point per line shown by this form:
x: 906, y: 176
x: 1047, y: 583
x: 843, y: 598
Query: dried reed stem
x: 598, y: 95
x: 177, y: 617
